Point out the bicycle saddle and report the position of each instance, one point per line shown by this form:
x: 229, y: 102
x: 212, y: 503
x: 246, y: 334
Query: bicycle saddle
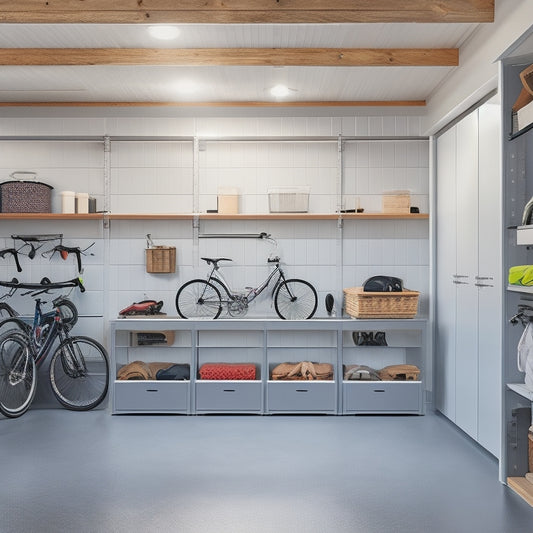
x: 215, y: 261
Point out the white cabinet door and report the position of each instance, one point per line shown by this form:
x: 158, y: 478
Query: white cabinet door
x: 466, y: 348
x: 489, y: 280
x: 445, y: 269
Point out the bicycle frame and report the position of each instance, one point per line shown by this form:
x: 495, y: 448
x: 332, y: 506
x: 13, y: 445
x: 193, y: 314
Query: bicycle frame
x: 253, y: 292
x: 46, y: 328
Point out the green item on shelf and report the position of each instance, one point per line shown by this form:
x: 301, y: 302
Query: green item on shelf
x: 521, y: 275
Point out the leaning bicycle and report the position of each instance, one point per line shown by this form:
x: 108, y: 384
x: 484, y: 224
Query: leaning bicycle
x: 294, y: 299
x: 79, y: 365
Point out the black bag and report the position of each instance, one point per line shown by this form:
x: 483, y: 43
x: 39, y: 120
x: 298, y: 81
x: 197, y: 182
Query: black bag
x: 383, y: 284
x: 174, y: 372
x: 369, y: 338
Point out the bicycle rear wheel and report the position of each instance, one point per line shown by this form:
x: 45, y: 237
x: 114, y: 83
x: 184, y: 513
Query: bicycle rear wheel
x: 295, y: 299
x: 79, y: 373
x: 18, y: 374
x: 198, y: 299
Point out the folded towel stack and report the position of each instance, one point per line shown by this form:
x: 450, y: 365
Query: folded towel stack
x: 303, y: 371
x: 227, y: 371
x: 139, y: 370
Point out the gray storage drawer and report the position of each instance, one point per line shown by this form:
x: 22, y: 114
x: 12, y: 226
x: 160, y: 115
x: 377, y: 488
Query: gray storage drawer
x: 315, y: 396
x: 155, y: 396
x: 382, y: 397
x: 228, y: 396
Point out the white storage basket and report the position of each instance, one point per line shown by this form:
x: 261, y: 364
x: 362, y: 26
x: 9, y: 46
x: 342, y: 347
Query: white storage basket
x: 288, y: 200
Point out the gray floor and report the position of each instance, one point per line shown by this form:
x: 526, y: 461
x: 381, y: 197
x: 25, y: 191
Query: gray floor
x: 93, y: 472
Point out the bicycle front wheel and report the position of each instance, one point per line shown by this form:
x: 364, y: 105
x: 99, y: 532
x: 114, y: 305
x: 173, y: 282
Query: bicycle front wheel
x: 79, y: 373
x: 198, y: 299
x: 18, y: 374
x: 295, y: 299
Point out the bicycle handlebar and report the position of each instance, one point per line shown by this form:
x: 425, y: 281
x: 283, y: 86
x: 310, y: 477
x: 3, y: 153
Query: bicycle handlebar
x: 45, y: 284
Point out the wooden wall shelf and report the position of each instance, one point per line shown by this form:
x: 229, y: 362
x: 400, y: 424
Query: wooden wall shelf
x: 270, y: 216
x: 51, y: 216
x: 212, y: 216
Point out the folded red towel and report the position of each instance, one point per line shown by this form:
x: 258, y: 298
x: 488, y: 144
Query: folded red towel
x: 227, y: 371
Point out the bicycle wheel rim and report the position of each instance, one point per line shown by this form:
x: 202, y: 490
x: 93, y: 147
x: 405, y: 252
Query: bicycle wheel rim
x: 18, y: 374
x: 295, y: 299
x: 82, y: 385
x: 198, y: 299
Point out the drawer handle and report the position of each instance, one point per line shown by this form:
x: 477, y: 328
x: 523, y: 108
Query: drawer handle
x: 229, y: 390
x: 379, y: 390
x: 152, y: 390
x: 302, y: 390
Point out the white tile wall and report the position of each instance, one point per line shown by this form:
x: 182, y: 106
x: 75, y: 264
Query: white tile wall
x: 157, y: 176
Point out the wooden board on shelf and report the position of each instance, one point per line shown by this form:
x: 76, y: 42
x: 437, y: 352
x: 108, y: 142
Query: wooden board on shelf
x: 522, y: 487
x: 213, y: 216
x: 51, y: 216
x: 312, y: 216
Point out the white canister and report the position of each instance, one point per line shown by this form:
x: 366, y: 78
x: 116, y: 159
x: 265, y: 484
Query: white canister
x: 68, y: 202
x: 82, y: 202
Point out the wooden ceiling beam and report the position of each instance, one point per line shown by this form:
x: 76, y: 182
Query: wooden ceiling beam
x: 331, y: 103
x: 243, y: 11
x: 351, y: 57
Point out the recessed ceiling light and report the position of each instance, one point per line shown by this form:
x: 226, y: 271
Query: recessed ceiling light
x: 165, y: 33
x: 280, y: 91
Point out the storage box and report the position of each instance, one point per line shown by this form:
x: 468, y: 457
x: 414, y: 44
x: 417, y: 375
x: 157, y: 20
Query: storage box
x: 228, y: 201
x: 25, y: 196
x: 397, y: 202
x: 82, y: 202
x: 68, y: 202
x: 288, y: 200
x: 361, y: 304
x: 161, y: 260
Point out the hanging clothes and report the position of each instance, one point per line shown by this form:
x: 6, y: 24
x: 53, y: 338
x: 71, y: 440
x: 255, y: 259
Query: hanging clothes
x: 525, y: 355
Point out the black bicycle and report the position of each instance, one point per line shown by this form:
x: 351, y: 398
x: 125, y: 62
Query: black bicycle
x: 294, y: 299
x: 79, y: 367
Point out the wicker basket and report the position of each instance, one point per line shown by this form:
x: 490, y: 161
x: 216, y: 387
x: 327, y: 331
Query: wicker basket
x: 360, y: 304
x: 161, y: 260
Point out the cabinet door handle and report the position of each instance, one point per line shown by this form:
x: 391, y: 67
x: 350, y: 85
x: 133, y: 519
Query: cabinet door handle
x: 484, y: 278
x: 483, y: 285
x: 229, y: 390
x: 460, y: 282
x: 379, y: 390
x: 302, y: 390
x: 457, y: 276
x: 152, y: 390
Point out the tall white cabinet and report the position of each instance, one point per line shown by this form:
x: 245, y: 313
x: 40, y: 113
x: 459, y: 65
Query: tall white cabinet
x: 468, y: 283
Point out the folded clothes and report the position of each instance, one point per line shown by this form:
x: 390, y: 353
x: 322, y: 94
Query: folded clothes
x: 303, y: 371
x: 174, y: 373
x: 361, y: 372
x: 225, y: 371
x: 399, y: 373
x: 139, y: 370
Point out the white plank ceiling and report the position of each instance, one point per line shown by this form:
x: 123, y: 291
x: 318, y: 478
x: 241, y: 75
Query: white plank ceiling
x: 228, y: 84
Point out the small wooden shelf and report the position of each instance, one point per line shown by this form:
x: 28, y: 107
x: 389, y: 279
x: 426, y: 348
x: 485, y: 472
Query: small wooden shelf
x: 51, y: 216
x: 149, y: 216
x: 522, y: 487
